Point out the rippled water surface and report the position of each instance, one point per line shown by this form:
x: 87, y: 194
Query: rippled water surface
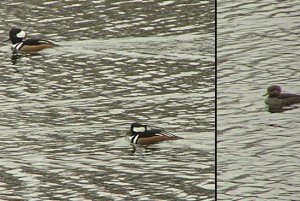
x: 258, y: 151
x: 65, y: 110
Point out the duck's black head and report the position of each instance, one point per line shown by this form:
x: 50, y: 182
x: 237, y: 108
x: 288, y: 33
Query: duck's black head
x: 273, y: 91
x: 137, y: 128
x: 16, y: 35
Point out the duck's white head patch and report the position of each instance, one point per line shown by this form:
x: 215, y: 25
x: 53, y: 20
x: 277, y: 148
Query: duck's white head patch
x: 139, y: 129
x: 21, y: 34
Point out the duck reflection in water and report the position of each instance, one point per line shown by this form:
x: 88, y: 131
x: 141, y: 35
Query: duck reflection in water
x: 280, y: 102
x: 16, y: 57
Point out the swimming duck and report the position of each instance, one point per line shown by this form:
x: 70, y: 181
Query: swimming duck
x: 139, y: 134
x: 21, y: 44
x: 277, y: 98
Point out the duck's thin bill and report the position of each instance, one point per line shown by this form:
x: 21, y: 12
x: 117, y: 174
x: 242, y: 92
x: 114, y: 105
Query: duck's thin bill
x: 6, y: 40
x: 265, y: 94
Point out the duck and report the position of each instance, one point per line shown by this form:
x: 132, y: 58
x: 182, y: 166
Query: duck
x: 275, y: 97
x: 139, y: 134
x: 20, y: 44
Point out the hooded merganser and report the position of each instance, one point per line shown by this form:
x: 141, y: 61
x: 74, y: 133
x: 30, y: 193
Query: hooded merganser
x: 277, y: 98
x: 21, y: 44
x: 139, y: 134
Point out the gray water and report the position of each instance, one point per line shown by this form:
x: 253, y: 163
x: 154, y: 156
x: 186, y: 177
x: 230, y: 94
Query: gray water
x: 64, y: 111
x: 258, y: 151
